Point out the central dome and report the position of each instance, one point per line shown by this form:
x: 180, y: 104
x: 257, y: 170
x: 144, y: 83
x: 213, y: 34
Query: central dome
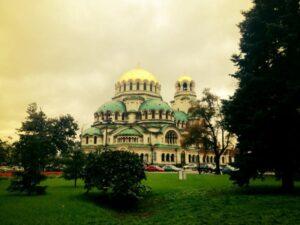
x: 138, y: 74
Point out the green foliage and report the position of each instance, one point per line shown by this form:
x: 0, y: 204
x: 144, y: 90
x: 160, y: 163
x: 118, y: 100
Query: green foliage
x: 264, y: 112
x: 116, y: 172
x: 74, y: 164
x: 40, y: 141
x: 5, y: 153
x: 209, y: 131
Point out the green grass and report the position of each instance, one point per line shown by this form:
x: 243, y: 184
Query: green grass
x: 201, y: 199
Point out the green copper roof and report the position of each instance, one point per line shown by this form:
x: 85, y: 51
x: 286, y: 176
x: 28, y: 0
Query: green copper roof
x: 91, y: 131
x: 113, y: 106
x: 180, y: 116
x: 155, y: 104
x: 129, y: 132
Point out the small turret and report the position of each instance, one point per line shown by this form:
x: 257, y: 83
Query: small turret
x: 184, y: 94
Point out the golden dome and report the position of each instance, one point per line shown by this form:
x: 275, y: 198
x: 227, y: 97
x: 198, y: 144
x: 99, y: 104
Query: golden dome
x: 136, y: 74
x: 184, y: 78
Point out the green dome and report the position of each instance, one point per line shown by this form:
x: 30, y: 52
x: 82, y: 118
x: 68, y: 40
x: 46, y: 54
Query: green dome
x: 129, y: 132
x: 92, y: 131
x: 112, y: 106
x: 180, y: 116
x: 155, y: 104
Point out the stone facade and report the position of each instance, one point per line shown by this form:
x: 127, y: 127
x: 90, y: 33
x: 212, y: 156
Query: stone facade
x: 137, y: 119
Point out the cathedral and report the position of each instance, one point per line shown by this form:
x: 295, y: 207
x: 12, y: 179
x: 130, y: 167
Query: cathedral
x: 137, y: 119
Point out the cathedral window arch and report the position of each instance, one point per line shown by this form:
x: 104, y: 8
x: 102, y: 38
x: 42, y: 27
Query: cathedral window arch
x: 153, y: 114
x: 172, y: 158
x: 167, y: 115
x: 190, y: 158
x: 146, y: 115
x: 171, y: 137
x: 151, y: 87
x: 185, y: 86
x: 86, y: 140
x: 95, y: 139
x: 160, y: 114
x: 168, y: 157
x: 145, y: 86
x: 123, y: 116
x: 117, y: 114
x: 138, y: 86
x: 124, y: 87
x: 130, y: 86
x: 163, y: 157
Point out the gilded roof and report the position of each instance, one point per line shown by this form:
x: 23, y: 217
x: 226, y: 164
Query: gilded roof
x: 184, y: 78
x: 136, y: 74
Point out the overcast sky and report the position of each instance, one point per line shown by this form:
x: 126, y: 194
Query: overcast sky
x: 66, y: 55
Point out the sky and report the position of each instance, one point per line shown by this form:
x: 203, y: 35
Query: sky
x: 66, y: 55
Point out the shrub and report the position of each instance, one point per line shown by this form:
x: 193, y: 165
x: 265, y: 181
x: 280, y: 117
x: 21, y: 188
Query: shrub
x: 117, y: 173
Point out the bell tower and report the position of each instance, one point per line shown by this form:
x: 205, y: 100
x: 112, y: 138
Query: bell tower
x: 185, y: 94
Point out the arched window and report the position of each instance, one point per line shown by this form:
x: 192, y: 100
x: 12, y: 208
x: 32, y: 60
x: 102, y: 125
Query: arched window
x: 190, y: 158
x: 153, y: 114
x: 137, y: 86
x: 108, y: 114
x: 146, y: 115
x: 151, y: 87
x: 130, y: 86
x: 124, y: 87
x: 184, y: 86
x: 198, y: 159
x: 207, y: 159
x: 145, y: 86
x: 123, y: 116
x: 172, y: 158
x: 160, y: 114
x: 87, y: 140
x: 193, y: 159
x: 171, y: 137
x: 167, y: 115
x: 155, y: 88
x: 95, y: 140
x: 168, y: 157
x: 117, y: 115
x: 163, y: 157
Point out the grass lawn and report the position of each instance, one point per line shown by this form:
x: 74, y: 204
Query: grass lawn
x: 201, y: 199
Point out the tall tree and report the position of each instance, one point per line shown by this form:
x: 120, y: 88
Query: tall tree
x: 5, y: 153
x: 264, y: 111
x: 41, y: 139
x: 211, y: 132
x: 74, y: 164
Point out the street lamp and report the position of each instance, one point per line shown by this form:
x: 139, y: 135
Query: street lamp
x: 151, y: 149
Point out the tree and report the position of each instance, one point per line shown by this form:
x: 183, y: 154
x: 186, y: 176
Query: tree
x: 74, y: 164
x: 41, y: 139
x: 118, y: 173
x: 5, y: 153
x: 211, y: 131
x: 264, y: 111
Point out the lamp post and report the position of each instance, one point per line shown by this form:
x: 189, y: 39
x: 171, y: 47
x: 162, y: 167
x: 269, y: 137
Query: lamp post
x: 151, y: 149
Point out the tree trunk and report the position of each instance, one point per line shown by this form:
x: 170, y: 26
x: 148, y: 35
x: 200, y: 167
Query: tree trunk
x: 217, y: 161
x: 287, y: 184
